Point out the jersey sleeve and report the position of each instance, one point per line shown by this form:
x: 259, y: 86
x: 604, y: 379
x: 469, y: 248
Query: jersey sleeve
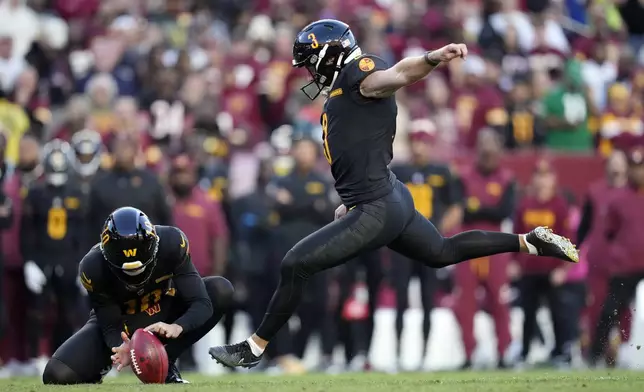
x: 182, y: 246
x: 108, y: 312
x: 189, y: 285
x: 359, y: 69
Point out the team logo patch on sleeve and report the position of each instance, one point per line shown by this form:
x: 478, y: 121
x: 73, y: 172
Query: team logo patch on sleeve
x: 366, y: 64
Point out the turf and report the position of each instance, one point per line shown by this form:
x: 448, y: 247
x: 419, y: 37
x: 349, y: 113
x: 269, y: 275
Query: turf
x: 597, y: 381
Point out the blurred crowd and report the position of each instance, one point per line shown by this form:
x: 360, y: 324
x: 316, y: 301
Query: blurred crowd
x: 190, y: 111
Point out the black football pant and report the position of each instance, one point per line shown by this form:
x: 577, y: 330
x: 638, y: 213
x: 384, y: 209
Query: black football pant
x: 315, y: 317
x: 534, y: 289
x: 389, y: 221
x: 356, y: 335
x: 621, y: 290
x: 61, y: 289
x: 402, y: 270
x: 85, y: 357
x: 572, y: 301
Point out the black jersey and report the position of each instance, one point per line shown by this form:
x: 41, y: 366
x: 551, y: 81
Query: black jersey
x: 53, y: 223
x: 174, y: 275
x: 310, y: 192
x: 432, y: 186
x: 358, y: 134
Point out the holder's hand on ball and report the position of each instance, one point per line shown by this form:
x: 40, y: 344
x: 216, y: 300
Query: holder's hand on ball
x: 170, y: 331
x: 121, y: 357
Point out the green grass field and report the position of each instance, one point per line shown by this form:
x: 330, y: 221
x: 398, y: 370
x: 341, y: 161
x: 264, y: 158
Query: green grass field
x: 596, y: 381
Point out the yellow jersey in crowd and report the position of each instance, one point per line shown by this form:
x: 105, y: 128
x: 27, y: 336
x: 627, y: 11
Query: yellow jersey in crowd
x: 14, y: 122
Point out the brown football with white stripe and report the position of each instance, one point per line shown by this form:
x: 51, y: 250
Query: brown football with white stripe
x: 148, y: 359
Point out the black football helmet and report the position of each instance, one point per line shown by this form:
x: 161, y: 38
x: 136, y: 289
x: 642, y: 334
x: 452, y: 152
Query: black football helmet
x: 130, y: 244
x: 87, y: 149
x: 56, y: 162
x: 323, y: 48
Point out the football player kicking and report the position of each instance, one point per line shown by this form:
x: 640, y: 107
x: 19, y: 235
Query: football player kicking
x: 138, y: 276
x: 359, y: 125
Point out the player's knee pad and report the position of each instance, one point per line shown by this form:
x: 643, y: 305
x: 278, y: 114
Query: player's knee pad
x: 58, y: 373
x: 220, y: 291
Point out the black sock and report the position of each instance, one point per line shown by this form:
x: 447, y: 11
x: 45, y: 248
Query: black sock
x: 473, y: 244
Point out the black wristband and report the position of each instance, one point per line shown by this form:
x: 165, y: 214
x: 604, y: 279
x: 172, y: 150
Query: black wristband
x: 429, y: 61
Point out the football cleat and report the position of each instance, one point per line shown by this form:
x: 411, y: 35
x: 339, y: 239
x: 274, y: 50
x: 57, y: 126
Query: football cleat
x: 235, y: 355
x: 552, y: 245
x: 174, y: 377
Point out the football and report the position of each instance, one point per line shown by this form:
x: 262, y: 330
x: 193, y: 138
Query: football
x: 148, y: 358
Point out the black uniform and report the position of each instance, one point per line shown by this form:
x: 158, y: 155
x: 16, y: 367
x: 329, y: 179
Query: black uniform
x: 6, y: 219
x: 309, y: 210
x: 175, y: 294
x: 53, y: 224
x: 432, y: 186
x: 52, y: 235
x: 524, y: 128
x: 358, y: 136
x: 254, y: 234
x: 434, y: 190
x: 137, y: 188
x: 213, y: 179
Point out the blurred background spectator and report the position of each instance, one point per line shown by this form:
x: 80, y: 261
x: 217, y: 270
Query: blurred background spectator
x: 190, y: 110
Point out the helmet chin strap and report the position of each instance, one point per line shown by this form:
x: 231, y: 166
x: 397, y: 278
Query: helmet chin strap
x: 321, y: 56
x: 357, y: 52
x: 338, y: 68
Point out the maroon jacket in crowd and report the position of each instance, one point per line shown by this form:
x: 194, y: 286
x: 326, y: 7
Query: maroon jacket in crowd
x: 532, y: 213
x: 11, y: 238
x: 624, y: 228
x: 280, y: 76
x: 478, y: 108
x: 202, y: 220
x: 489, y: 199
x: 597, y: 202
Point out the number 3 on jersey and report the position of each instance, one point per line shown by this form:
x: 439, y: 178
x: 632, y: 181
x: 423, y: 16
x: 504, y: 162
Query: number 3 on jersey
x: 325, y: 137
